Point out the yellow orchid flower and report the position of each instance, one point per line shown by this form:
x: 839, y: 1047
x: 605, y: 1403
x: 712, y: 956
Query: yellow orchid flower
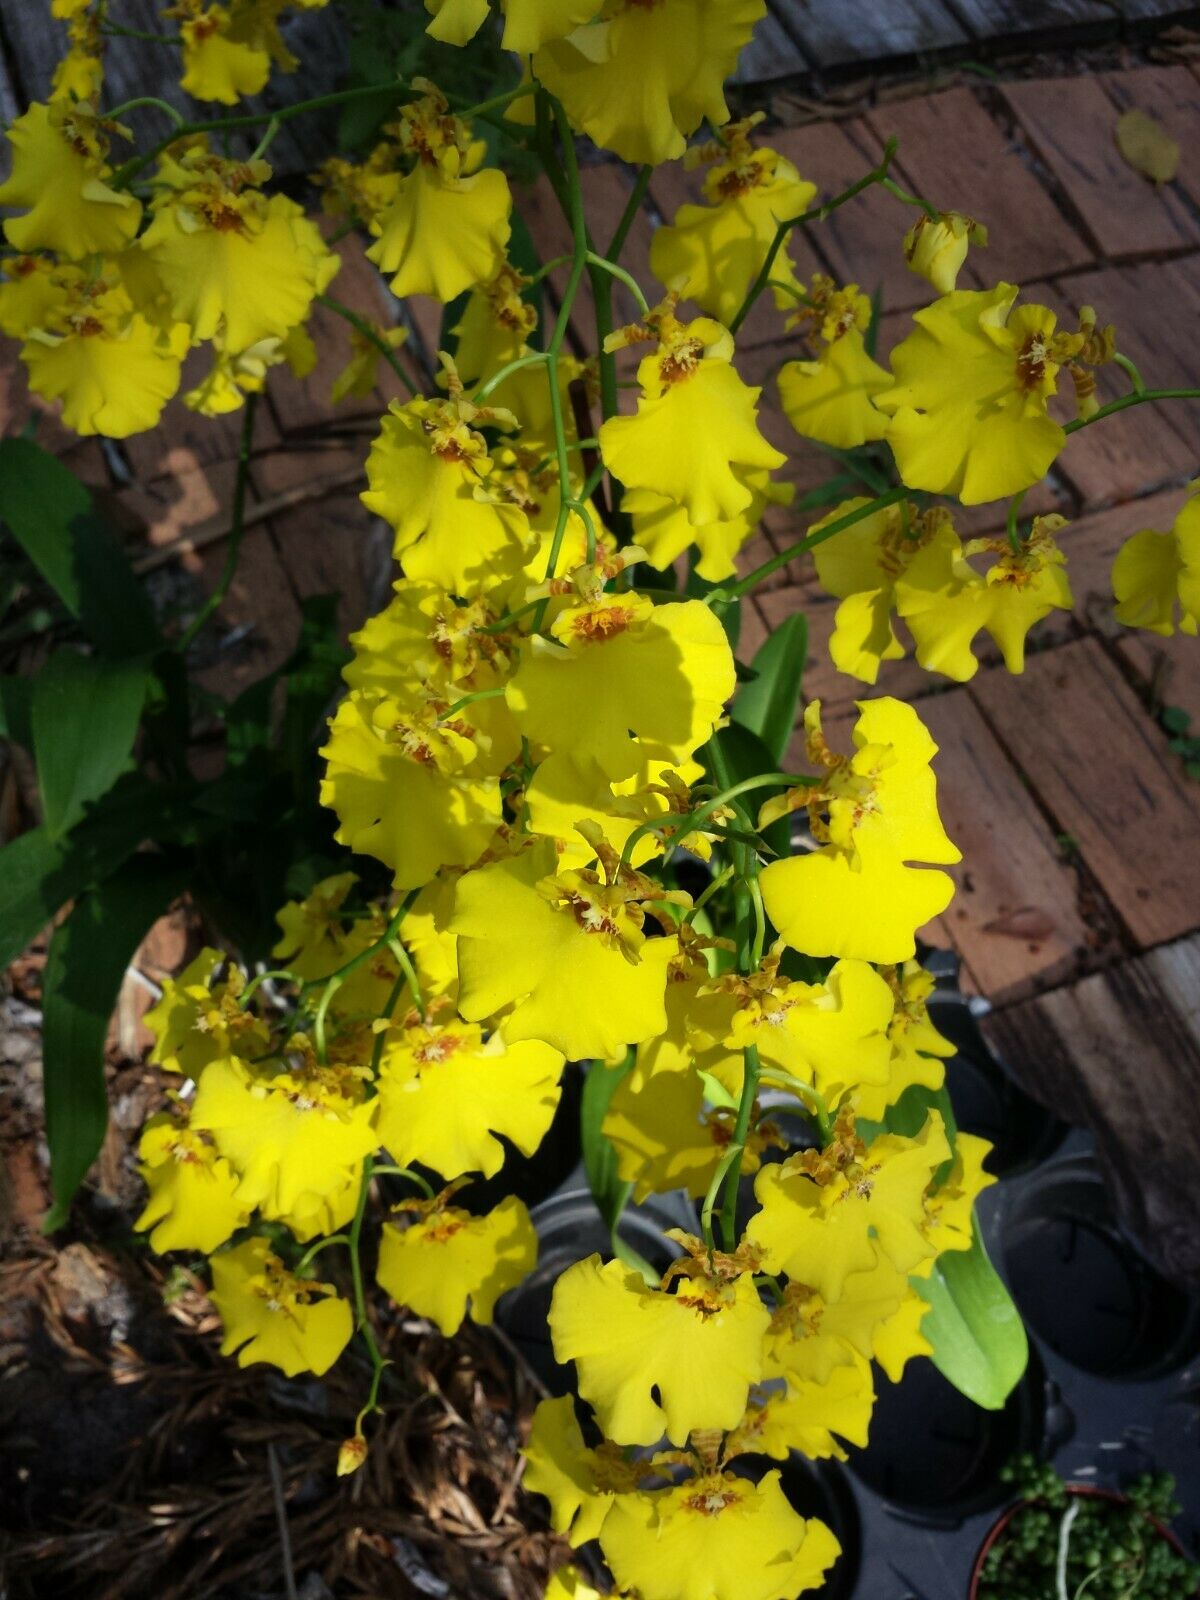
x: 916, y: 1045
x: 716, y: 1537
x: 230, y: 259
x: 831, y: 397
x: 409, y: 788
x: 968, y: 405
x: 194, y: 1202
x: 1156, y: 576
x: 935, y: 249
x: 822, y: 1220
x: 447, y: 1264
x: 579, y: 1482
x: 874, y: 814
x: 494, y: 325
x: 810, y: 1416
x: 194, y: 1023
x: 624, y: 681
x: 696, y: 433
x: 270, y: 1315
x: 28, y: 290
x: 112, y: 369
x: 444, y: 1093
x: 446, y: 227
x: 642, y: 79
x: 425, y: 472
x: 877, y: 1315
x: 950, y: 1208
x: 662, y: 528
x: 289, y: 1129
x: 59, y: 168
x: 946, y: 601
x: 216, y: 66
x: 528, y: 24
x: 567, y: 952
x: 698, y: 1346
x: 712, y: 253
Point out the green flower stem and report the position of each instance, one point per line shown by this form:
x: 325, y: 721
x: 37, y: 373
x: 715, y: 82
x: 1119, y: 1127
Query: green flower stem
x: 256, y: 119
x: 547, y: 267
x: 810, y: 542
x: 893, y: 188
x: 734, y: 1153
x: 168, y: 110
x: 264, y: 144
x: 333, y: 981
x: 469, y: 699
x: 694, y: 820
x: 702, y: 899
x: 741, y: 1130
x: 387, y: 1169
x: 362, y: 1322
x: 237, y: 528
x: 1012, y: 520
x: 533, y: 359
x: 579, y: 239
x: 1127, y: 366
x: 404, y: 962
x: 814, y: 214
x: 806, y: 1092
x: 509, y: 617
x: 629, y: 215
x: 627, y: 278
x: 363, y: 327
x: 1139, y: 397
x: 116, y: 30
x: 314, y: 1250
x: 276, y: 974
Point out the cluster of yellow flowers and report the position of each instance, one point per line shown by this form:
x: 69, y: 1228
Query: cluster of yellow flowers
x: 531, y: 742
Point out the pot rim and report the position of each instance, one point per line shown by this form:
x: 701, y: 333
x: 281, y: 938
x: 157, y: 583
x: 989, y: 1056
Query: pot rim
x: 1080, y: 1491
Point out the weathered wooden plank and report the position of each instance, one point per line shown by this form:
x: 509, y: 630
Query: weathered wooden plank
x: 860, y: 240
x: 184, y: 439
x: 1099, y: 765
x: 832, y: 33
x: 1014, y: 919
x: 1150, y: 445
x: 959, y: 157
x: 330, y: 545
x: 989, y: 20
x: 771, y: 54
x: 1169, y: 94
x: 133, y: 67
x: 1072, y: 123
x: 1119, y: 1053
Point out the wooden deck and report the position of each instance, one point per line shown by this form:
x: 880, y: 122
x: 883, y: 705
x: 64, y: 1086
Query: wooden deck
x: 1078, y: 911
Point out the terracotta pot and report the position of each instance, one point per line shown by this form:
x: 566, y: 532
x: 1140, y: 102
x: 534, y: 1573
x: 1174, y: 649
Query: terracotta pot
x: 1080, y: 1491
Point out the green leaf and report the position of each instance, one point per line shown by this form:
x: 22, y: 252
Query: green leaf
x: 84, y: 717
x: 767, y: 705
x: 14, y: 710
x: 979, y: 1342
x: 88, y: 955
x: 599, y: 1158
x: 39, y: 875
x: 51, y: 516
x: 740, y: 753
x: 907, y: 1116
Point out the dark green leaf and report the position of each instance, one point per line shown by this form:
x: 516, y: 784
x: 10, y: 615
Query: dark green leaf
x: 38, y: 876
x: 51, y: 516
x: 599, y: 1158
x: 313, y: 674
x: 84, y: 717
x: 88, y: 955
x: 767, y: 706
x: 978, y: 1340
x: 739, y: 754
x: 14, y: 710
x: 828, y: 494
x: 1174, y: 719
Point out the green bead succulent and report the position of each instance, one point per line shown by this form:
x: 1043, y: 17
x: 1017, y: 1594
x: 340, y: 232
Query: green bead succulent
x: 1114, y: 1551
